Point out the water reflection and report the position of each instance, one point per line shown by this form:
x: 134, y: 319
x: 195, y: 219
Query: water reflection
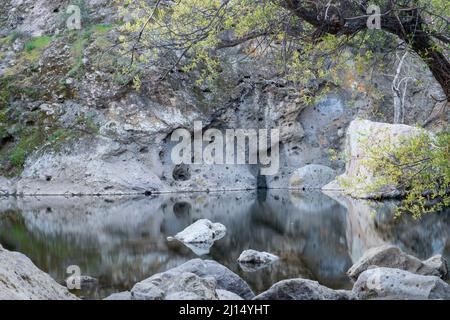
x: 123, y: 240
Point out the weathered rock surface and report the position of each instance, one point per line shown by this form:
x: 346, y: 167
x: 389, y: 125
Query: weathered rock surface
x: 439, y: 264
x: 388, y: 283
x: 391, y: 256
x: 202, y: 231
x: 138, y: 123
x: 362, y: 135
x: 302, y: 289
x: 172, y: 285
x: 312, y: 176
x: 224, y: 279
x: 252, y: 260
x: 22, y: 280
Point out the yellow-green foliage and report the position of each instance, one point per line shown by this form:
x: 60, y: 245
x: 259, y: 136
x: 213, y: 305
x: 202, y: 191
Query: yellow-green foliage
x: 420, y: 166
x: 188, y: 33
x: 192, y: 28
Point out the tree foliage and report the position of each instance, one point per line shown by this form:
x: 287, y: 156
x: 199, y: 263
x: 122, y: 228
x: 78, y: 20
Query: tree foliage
x: 419, y: 167
x: 307, y: 38
x: 311, y: 43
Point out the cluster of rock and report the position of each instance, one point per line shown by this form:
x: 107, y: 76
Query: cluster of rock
x: 382, y: 273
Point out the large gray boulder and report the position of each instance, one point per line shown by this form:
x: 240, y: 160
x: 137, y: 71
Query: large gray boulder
x: 389, y: 283
x: 172, y: 285
x: 302, y: 289
x: 312, y: 176
x: 392, y: 257
x: 20, y: 279
x: 224, y: 278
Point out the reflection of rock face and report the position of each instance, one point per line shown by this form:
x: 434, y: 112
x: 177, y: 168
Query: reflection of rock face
x: 362, y: 136
x: 370, y: 224
x: 121, y: 241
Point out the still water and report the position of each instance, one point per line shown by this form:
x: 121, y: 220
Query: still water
x: 123, y: 240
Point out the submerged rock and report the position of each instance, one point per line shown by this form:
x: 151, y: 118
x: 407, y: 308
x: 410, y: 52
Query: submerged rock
x: 22, y: 280
x: 201, y: 235
x: 312, y: 176
x: 252, y: 260
x: 85, y: 282
x: 172, y: 285
x: 392, y: 257
x: 389, y: 283
x: 302, y: 289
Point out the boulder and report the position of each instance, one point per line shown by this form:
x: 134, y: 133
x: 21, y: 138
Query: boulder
x: 22, y: 280
x: 126, y: 295
x: 389, y: 283
x: 202, y: 231
x: 302, y: 289
x: 392, y: 257
x: 252, y: 260
x: 225, y: 278
x: 172, y: 285
x: 439, y: 264
x: 201, y: 235
x: 312, y: 176
x: 358, y: 178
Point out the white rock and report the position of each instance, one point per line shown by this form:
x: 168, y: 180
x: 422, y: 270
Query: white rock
x: 175, y: 286
x: 202, y: 231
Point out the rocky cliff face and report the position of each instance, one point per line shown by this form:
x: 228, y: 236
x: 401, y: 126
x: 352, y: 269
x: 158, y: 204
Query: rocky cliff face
x: 68, y: 125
